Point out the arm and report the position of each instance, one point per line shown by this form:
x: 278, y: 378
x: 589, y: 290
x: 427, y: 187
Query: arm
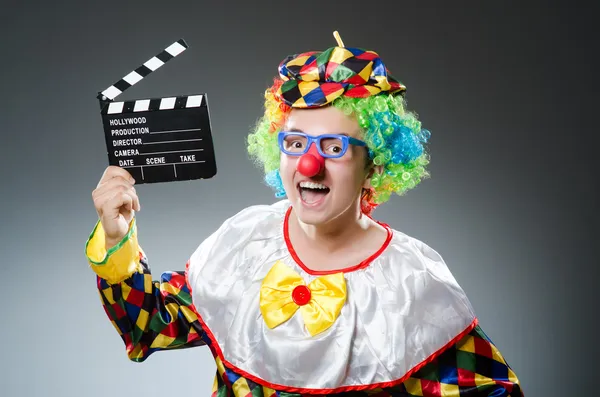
x: 148, y: 315
x: 473, y: 367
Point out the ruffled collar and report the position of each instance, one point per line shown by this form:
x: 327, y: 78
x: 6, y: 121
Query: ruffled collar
x: 402, y: 309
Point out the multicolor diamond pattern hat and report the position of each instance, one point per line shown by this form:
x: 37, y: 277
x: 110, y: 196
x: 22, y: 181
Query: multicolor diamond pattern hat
x: 314, y: 79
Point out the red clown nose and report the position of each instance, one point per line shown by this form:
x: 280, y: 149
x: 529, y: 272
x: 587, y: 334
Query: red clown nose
x: 311, y: 163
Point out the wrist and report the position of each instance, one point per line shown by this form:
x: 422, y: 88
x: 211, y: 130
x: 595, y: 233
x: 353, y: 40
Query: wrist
x: 110, y: 242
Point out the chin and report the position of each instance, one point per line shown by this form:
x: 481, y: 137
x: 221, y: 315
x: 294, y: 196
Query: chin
x: 310, y: 215
x: 312, y: 218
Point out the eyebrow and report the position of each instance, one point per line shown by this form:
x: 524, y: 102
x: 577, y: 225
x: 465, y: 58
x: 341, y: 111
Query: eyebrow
x: 329, y: 133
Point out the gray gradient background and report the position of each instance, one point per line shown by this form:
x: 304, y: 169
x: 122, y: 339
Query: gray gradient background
x: 505, y: 88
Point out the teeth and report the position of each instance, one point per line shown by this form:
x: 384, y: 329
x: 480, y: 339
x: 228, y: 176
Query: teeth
x: 313, y: 185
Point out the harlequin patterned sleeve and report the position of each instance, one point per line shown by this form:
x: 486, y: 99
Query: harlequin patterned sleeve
x: 472, y: 367
x: 148, y: 315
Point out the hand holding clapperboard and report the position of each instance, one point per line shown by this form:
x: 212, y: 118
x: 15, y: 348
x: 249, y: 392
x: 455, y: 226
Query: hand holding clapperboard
x: 161, y: 139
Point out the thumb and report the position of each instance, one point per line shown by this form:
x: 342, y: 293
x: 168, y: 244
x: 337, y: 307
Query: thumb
x: 126, y: 208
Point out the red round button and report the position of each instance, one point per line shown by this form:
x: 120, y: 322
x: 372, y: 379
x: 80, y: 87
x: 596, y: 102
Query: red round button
x: 301, y: 295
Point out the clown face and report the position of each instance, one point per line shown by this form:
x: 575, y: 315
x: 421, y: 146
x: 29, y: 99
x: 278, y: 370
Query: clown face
x: 323, y: 175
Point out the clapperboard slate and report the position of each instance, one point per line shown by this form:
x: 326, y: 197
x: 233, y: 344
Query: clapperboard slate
x: 160, y: 139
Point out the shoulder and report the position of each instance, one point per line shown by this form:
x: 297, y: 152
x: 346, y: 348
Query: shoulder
x: 253, y: 221
x: 413, y: 250
x: 237, y: 234
x: 410, y: 261
x: 256, y: 216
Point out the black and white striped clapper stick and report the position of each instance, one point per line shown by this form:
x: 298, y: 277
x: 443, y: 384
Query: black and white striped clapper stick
x: 148, y: 67
x: 159, y: 139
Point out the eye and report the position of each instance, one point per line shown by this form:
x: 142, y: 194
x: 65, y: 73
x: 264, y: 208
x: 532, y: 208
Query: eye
x: 333, y: 149
x: 295, y: 144
x: 331, y: 146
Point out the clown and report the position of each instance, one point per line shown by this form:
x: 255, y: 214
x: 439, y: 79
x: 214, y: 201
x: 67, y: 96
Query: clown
x: 310, y: 295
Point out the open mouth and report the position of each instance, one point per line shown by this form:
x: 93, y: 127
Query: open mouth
x: 312, y: 192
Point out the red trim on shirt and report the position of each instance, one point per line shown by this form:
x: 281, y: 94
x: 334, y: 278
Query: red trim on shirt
x: 361, y: 265
x: 290, y: 389
x: 216, y: 349
x: 214, y: 346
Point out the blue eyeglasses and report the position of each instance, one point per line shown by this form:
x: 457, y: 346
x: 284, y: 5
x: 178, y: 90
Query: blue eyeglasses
x: 329, y: 145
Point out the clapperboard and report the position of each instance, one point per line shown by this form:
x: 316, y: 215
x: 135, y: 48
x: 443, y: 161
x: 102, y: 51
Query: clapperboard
x: 160, y: 139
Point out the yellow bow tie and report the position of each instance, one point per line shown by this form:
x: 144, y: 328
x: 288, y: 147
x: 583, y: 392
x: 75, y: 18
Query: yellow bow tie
x: 283, y: 292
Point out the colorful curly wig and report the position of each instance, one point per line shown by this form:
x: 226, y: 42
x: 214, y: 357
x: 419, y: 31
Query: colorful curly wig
x: 394, y: 138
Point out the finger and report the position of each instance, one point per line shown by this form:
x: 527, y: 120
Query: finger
x: 133, y: 194
x: 113, y: 171
x: 103, y: 195
x: 102, y: 200
x: 111, y: 184
x: 120, y: 203
x: 136, y: 200
x: 105, y: 192
x: 127, y: 205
